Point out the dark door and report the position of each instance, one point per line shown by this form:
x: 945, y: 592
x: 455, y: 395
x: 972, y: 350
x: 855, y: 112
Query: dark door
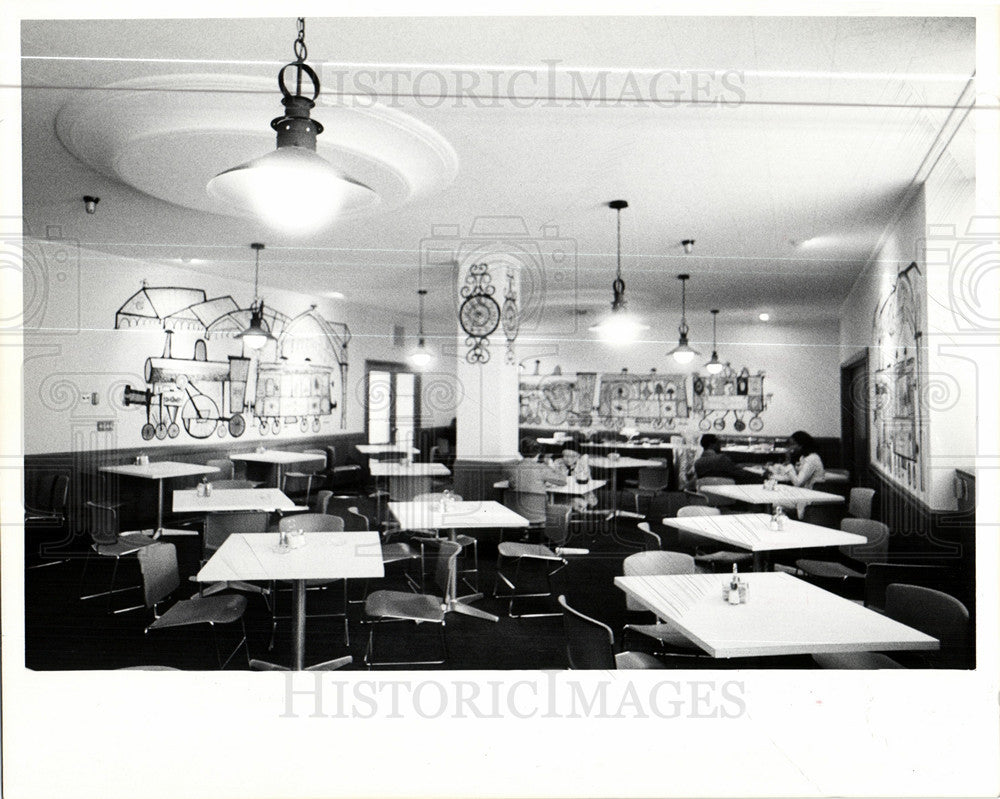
x: 854, y: 417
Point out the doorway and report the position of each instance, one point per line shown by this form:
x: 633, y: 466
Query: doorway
x: 392, y: 403
x: 854, y: 400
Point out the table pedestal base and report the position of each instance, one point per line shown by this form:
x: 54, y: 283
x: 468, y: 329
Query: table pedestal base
x: 460, y: 604
x: 329, y: 665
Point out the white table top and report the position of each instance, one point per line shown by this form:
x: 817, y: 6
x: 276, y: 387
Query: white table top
x: 554, y: 440
x: 783, y: 495
x: 382, y: 469
x: 279, y: 456
x: 632, y: 445
x: 461, y: 516
x: 378, y: 449
x: 572, y: 487
x: 753, y: 448
x: 251, y: 556
x: 233, y: 499
x: 160, y: 470
x: 751, y: 531
x: 604, y: 462
x: 783, y: 616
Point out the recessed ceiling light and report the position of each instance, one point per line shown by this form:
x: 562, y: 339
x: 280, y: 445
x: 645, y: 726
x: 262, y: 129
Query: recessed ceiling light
x: 334, y: 295
x: 764, y: 317
x: 187, y: 259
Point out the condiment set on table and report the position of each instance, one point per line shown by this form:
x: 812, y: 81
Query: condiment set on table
x: 735, y: 591
x: 289, y: 540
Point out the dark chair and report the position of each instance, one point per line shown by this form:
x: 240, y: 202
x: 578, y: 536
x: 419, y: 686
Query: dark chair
x: 48, y: 514
x: 342, y: 476
x: 109, y: 542
x: 859, y: 503
x: 652, y: 481
x: 425, y: 537
x: 879, y: 576
x: 720, y: 559
x: 591, y: 644
x: 875, y: 551
x: 822, y: 515
x: 402, y: 606
x: 226, y: 470
x: 934, y: 613
x: 310, y: 523
x: 160, y: 579
x: 556, y: 532
x: 650, y: 540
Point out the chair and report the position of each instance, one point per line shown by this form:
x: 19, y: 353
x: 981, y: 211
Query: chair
x: 299, y: 485
x: 650, y: 540
x: 311, y: 523
x: 225, y: 467
x: 714, y: 501
x: 229, y: 485
x: 529, y: 505
x: 432, y: 536
x: 591, y: 644
x: 341, y: 476
x: 822, y: 515
x: 879, y: 576
x: 556, y: 532
x: 654, y: 563
x: 395, y: 552
x: 875, y: 551
x: 49, y: 513
x: 720, y: 559
x: 160, y: 579
x: 934, y: 613
x: 109, y: 542
x: 388, y: 606
x: 652, y: 480
x: 859, y: 503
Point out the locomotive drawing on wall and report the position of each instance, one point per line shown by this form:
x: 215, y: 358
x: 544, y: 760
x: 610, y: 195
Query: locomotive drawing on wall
x: 896, y: 423
x: 715, y: 397
x: 291, y: 383
x: 608, y: 401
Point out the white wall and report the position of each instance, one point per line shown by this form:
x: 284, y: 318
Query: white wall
x: 800, y: 362
x: 72, y: 349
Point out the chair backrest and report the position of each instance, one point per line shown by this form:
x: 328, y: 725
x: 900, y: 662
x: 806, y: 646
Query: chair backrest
x: 937, y: 614
x: 231, y: 484
x: 320, y: 463
x: 822, y: 515
x: 225, y: 467
x: 219, y: 526
x: 159, y: 572
x: 311, y: 523
x: 102, y: 522
x: 59, y: 495
x: 331, y: 456
x: 530, y: 506
x: 697, y: 510
x: 644, y: 564
x: 654, y: 478
x: 859, y: 504
x: 434, y: 496
x: 650, y: 540
x: 355, y: 520
x: 444, y: 569
x: 322, y: 500
x: 557, y: 524
x: 877, y: 548
x: 589, y: 643
x: 296, y: 482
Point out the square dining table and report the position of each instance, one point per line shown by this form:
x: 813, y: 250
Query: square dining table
x: 783, y: 616
x: 323, y: 556
x: 615, y: 463
x: 469, y: 515
x: 784, y: 495
x: 160, y: 471
x: 278, y: 458
x: 229, y: 500
x: 752, y: 532
x: 384, y: 449
x: 571, y: 488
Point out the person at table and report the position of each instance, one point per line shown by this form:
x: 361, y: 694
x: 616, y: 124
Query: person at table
x: 808, y: 466
x: 713, y: 463
x: 531, y: 476
x: 577, y: 467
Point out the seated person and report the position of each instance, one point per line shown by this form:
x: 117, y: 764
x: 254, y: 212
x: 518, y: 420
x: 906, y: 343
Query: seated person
x: 531, y: 476
x: 808, y: 469
x: 712, y: 463
x: 577, y: 467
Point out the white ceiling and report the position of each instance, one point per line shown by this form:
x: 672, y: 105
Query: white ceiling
x: 838, y: 115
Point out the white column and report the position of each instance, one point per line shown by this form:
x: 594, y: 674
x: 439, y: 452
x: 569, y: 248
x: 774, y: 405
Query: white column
x: 487, y: 416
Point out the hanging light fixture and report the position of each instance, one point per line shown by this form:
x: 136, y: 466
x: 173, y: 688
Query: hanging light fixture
x: 683, y: 352
x: 620, y: 327
x: 714, y: 365
x: 421, y: 357
x: 258, y: 333
x: 291, y: 188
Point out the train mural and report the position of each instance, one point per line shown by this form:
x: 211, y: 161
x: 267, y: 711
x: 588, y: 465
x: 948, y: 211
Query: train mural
x: 294, y: 382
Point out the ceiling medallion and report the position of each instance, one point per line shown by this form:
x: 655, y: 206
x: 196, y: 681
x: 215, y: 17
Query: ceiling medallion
x: 479, y: 314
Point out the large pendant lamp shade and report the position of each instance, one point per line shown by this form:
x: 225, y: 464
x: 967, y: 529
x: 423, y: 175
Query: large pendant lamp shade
x: 620, y: 326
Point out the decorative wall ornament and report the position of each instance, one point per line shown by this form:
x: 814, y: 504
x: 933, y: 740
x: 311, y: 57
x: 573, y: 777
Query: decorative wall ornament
x: 479, y: 313
x: 290, y: 382
x: 741, y: 394
x: 896, y: 420
x: 510, y: 316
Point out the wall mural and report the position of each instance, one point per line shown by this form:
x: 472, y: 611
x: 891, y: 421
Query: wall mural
x: 741, y: 394
x: 896, y: 424
x: 290, y: 383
